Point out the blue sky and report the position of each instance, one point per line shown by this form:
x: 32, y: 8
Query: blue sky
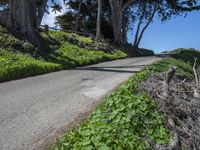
x: 179, y: 32
x: 50, y: 18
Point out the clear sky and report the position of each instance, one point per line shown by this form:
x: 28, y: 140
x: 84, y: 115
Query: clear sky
x: 179, y: 32
x: 50, y: 18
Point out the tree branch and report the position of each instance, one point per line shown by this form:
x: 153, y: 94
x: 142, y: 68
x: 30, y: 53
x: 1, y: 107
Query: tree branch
x: 145, y: 27
x: 126, y: 5
x: 195, y: 72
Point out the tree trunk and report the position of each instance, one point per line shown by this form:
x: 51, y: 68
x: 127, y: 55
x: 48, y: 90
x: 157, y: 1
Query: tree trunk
x: 145, y: 27
x: 124, y: 30
x: 77, y: 16
x: 138, y: 27
x: 98, y: 34
x: 169, y: 76
x: 137, y: 32
x: 117, y: 9
x: 41, y: 5
x: 197, y: 79
x: 117, y: 17
x: 22, y: 20
x: 117, y: 26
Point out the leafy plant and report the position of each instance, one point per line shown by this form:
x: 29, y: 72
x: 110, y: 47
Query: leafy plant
x: 125, y: 121
x: 14, y: 65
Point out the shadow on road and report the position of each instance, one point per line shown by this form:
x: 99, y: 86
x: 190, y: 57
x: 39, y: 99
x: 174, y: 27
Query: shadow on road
x: 118, y: 69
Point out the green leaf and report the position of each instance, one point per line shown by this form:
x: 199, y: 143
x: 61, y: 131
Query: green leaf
x: 102, y: 146
x: 85, y: 143
x: 65, y: 144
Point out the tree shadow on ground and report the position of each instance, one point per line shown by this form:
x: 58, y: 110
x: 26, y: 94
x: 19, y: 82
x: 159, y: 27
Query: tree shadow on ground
x: 120, y: 69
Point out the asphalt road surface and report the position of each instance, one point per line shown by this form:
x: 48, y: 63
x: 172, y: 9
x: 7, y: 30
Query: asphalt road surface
x: 35, y: 110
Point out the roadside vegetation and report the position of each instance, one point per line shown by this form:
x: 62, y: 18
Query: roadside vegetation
x: 71, y: 50
x: 129, y: 118
x: 181, y: 102
x: 20, y: 59
x: 18, y: 65
x: 126, y: 120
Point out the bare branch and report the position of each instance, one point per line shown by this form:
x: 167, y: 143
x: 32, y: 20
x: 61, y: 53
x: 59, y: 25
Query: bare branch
x: 195, y: 72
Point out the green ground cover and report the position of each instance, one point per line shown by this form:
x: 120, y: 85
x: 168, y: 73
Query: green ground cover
x: 20, y: 59
x: 127, y: 119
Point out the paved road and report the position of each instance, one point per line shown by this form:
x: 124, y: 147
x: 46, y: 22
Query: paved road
x: 36, y: 109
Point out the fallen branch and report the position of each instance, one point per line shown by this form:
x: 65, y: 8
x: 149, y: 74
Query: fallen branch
x: 180, y: 107
x: 171, y: 72
x: 197, y: 79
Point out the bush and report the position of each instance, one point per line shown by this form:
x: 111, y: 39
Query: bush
x: 28, y: 47
x: 145, y: 52
x: 186, y: 55
x: 138, y: 52
x: 184, y: 69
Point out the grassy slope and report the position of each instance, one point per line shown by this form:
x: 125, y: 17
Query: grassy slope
x: 70, y: 55
x: 17, y: 65
x: 14, y: 65
x: 127, y: 118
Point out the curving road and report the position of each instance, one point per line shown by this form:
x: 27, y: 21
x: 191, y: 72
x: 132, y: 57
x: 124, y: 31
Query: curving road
x: 35, y: 110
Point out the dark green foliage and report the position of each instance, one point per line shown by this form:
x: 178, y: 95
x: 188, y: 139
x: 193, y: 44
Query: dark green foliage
x: 144, y: 52
x: 137, y: 52
x: 87, y: 17
x: 186, y: 55
x: 183, y: 59
x: 9, y: 42
x: 184, y: 69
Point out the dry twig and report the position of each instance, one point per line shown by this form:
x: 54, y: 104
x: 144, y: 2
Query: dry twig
x: 181, y: 108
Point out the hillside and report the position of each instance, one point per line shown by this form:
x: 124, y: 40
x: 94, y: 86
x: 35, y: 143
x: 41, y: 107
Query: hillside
x: 20, y: 59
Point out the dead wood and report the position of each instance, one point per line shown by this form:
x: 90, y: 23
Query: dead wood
x: 180, y: 107
x: 169, y: 75
x: 197, y: 78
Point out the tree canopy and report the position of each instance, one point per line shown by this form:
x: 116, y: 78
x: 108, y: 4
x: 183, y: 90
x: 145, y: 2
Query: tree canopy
x: 117, y: 16
x: 87, y: 17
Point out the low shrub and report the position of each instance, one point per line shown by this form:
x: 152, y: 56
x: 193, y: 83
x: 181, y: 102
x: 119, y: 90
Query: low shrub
x: 187, y: 55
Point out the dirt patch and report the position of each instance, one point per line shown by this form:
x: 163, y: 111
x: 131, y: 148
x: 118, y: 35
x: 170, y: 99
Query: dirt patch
x: 181, y: 108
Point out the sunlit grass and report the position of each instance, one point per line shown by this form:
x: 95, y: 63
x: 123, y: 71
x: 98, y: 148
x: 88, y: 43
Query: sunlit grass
x: 14, y: 65
x: 17, y: 65
x: 70, y: 55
